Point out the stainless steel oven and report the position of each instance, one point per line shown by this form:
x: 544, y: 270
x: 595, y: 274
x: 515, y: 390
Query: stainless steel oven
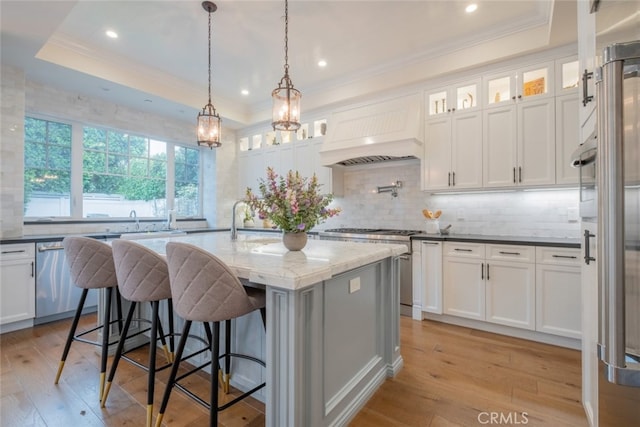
x: 371, y: 235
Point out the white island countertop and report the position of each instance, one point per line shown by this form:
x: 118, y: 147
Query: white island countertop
x: 265, y: 260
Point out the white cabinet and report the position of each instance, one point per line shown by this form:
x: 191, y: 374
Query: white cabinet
x: 250, y: 169
x: 519, y: 144
x: 558, y: 295
x: 453, y: 137
x: 463, y: 280
x: 567, y: 138
x: 453, y: 147
x: 510, y: 285
x: 589, y: 288
x: 587, y: 63
x: 431, y: 272
x: 17, y: 282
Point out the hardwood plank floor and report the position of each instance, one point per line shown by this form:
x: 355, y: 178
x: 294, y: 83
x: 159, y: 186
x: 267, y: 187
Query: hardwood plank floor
x: 452, y: 376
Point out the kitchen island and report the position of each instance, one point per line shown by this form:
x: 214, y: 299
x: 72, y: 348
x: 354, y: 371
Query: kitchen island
x: 332, y: 332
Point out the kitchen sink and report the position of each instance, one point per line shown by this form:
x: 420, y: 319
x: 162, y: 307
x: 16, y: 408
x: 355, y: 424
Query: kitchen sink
x: 136, y: 235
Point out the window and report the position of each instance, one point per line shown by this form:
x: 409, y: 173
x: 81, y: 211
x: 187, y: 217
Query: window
x: 113, y: 172
x: 123, y: 172
x: 187, y: 180
x: 47, y: 168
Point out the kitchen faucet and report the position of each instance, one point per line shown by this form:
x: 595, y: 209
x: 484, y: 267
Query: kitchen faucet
x: 134, y: 215
x: 234, y: 229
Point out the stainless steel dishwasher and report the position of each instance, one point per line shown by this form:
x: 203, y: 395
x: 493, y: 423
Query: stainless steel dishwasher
x: 56, y: 295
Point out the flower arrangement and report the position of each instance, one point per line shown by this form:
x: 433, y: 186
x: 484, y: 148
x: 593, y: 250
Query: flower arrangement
x: 293, y: 203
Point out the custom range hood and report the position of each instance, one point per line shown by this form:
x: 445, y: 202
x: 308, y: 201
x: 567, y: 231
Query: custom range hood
x: 385, y: 131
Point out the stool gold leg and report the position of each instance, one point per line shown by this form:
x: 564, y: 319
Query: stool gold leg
x: 60, y: 367
x: 103, y: 376
x: 167, y: 354
x: 159, y: 420
x: 107, y: 389
x: 149, y: 415
x: 225, y: 383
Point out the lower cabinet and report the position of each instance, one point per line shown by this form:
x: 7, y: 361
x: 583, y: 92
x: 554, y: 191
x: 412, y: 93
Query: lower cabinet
x: 431, y: 265
x: 558, y: 293
x: 463, y: 280
x: 17, y: 282
x: 510, y: 275
x: 526, y: 287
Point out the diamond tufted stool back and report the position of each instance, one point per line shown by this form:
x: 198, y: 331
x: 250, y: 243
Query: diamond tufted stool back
x: 142, y: 277
x: 204, y: 289
x: 91, y: 264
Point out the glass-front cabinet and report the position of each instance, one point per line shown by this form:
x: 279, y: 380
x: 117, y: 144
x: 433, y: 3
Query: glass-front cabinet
x: 567, y: 75
x: 532, y: 82
x: 458, y: 97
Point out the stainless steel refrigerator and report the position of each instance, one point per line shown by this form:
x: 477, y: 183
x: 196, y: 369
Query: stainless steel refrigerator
x: 618, y: 242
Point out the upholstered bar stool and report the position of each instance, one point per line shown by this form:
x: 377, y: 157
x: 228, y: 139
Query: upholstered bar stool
x: 204, y: 289
x: 142, y: 277
x: 91, y: 265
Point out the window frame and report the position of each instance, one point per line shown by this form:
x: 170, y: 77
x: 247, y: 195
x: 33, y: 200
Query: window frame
x: 77, y: 152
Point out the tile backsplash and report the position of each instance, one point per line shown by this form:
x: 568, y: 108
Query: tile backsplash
x: 541, y: 213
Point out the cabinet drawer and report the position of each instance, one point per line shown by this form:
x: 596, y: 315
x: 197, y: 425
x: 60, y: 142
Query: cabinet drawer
x: 466, y: 250
x: 557, y: 256
x: 17, y: 251
x: 511, y: 253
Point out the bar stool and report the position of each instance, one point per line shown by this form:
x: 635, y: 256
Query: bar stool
x: 204, y: 289
x: 142, y: 277
x: 91, y: 265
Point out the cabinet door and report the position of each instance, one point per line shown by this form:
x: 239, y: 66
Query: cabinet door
x: 536, y: 142
x: 587, y: 59
x: 463, y: 288
x: 510, y: 293
x: 499, y: 147
x: 17, y: 286
x: 536, y: 81
x: 255, y: 169
x: 431, y: 263
x: 303, y: 159
x: 567, y: 138
x: 324, y: 173
x: 437, y: 153
x: 558, y: 300
x: 589, y: 298
x: 466, y: 163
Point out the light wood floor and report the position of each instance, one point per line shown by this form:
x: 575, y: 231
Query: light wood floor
x: 452, y: 376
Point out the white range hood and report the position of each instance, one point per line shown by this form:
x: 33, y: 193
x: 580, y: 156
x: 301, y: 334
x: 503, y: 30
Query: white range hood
x: 388, y: 130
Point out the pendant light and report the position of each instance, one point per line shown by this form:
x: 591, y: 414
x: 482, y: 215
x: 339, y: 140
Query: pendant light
x: 286, y: 98
x: 208, y: 119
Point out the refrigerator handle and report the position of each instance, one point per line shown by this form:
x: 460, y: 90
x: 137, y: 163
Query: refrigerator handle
x: 587, y: 249
x: 611, y: 278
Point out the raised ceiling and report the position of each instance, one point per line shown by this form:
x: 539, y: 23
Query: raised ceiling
x: 159, y: 60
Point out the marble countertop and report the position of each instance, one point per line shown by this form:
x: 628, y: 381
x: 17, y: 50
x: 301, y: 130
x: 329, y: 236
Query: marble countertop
x: 515, y: 240
x: 265, y: 260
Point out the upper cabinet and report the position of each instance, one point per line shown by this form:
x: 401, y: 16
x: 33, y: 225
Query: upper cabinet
x: 453, y: 137
x: 283, y: 151
x: 462, y: 97
x: 528, y: 83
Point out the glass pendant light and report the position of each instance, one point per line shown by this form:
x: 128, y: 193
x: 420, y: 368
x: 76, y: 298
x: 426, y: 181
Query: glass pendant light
x: 208, y: 120
x: 286, y: 98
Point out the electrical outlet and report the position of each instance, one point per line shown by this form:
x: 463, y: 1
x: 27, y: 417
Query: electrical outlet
x: 572, y: 214
x: 354, y: 285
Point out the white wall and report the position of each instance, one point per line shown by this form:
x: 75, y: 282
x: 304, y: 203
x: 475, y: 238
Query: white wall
x: 517, y: 213
x: 11, y: 151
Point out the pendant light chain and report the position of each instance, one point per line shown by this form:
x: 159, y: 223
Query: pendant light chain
x: 286, y: 37
x: 209, y: 58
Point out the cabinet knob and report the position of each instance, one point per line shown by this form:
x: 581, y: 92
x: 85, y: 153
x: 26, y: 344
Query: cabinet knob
x: 513, y: 97
x: 519, y: 96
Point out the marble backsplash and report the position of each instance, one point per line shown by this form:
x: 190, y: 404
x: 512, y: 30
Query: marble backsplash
x: 539, y: 213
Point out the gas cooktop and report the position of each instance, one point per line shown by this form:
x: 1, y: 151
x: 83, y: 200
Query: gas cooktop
x: 372, y: 231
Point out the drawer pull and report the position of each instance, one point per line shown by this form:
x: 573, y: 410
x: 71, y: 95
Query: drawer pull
x: 487, y: 271
x: 431, y: 243
x: 21, y: 251
x: 33, y: 270
x: 463, y: 250
x: 565, y: 256
x: 509, y: 253
x: 482, y: 271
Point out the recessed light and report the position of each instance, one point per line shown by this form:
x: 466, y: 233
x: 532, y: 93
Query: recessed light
x: 111, y: 34
x: 471, y: 8
x: 245, y: 92
x: 322, y: 63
